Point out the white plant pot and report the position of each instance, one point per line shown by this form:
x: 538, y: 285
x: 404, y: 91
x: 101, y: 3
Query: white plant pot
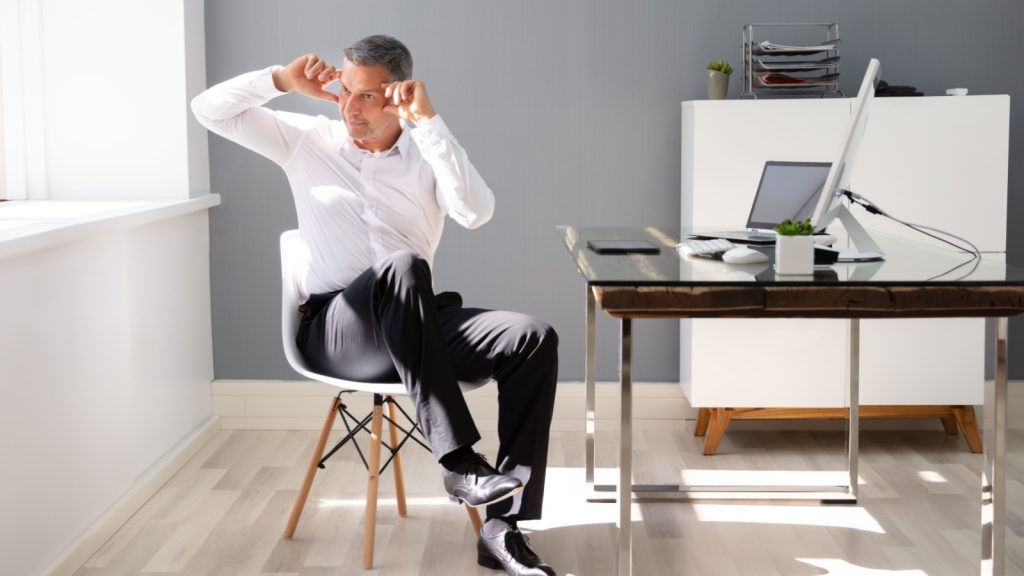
x: 794, y: 255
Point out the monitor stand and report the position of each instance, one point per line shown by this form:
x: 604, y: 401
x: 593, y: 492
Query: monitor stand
x: 866, y: 249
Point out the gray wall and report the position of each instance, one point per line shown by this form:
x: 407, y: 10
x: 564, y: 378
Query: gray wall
x: 570, y: 110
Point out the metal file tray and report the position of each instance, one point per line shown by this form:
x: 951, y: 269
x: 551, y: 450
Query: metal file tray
x: 807, y: 54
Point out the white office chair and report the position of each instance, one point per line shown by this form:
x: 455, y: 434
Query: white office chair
x: 293, y: 251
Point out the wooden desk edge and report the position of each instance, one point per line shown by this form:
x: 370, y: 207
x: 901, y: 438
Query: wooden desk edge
x: 836, y: 301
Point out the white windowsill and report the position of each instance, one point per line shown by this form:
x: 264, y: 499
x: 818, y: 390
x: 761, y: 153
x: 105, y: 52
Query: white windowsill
x: 29, y: 225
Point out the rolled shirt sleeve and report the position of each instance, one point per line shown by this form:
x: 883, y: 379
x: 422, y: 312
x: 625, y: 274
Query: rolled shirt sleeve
x: 234, y: 109
x: 461, y: 191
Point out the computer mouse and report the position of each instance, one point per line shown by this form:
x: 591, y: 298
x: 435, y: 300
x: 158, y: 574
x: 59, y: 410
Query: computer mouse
x: 824, y: 239
x: 742, y: 255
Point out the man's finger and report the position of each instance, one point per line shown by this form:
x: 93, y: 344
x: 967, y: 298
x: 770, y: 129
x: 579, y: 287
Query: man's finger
x: 314, y: 69
x: 325, y: 95
x: 310, y: 60
x: 409, y: 90
x: 402, y: 92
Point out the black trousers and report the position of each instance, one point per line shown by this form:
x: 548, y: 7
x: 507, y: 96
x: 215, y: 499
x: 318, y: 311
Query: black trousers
x: 389, y: 326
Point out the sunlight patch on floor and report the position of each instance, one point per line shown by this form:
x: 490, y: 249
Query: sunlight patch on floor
x: 851, y: 517
x: 703, y: 477
x: 932, y: 476
x: 565, y: 503
x: 837, y: 567
x: 361, y: 502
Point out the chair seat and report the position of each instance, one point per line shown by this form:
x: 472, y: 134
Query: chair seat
x: 382, y: 388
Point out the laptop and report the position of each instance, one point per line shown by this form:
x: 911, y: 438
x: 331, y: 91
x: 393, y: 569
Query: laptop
x: 788, y: 190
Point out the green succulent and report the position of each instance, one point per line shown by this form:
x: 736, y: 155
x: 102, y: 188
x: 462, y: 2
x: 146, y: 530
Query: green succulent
x: 720, y: 66
x: 790, y: 228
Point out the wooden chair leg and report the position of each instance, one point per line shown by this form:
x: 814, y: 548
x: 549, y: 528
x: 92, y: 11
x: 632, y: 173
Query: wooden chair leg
x: 949, y: 424
x: 719, y: 421
x: 396, y: 462
x: 373, y: 475
x: 968, y: 427
x: 314, y: 461
x: 703, y: 417
x: 474, y: 519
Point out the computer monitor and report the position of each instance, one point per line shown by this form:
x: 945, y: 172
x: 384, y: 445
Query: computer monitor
x: 830, y: 205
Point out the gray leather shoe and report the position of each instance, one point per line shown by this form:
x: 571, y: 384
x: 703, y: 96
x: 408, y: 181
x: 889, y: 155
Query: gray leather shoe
x: 510, y: 551
x: 477, y: 483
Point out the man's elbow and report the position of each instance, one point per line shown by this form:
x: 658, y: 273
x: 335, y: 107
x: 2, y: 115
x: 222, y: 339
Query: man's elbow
x: 197, y: 105
x: 474, y: 220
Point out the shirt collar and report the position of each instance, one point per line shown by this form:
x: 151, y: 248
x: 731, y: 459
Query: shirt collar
x: 401, y: 145
x: 403, y: 140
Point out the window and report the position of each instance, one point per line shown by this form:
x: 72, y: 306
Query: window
x: 21, y: 123
x: 4, y: 17
x: 3, y: 152
x: 87, y: 148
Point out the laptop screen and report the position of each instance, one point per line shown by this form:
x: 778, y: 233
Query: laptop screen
x: 788, y: 190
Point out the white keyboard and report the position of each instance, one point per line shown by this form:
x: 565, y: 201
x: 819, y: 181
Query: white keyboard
x: 713, y: 248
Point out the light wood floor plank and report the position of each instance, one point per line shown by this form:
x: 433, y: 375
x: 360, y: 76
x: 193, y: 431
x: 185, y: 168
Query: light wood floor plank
x: 224, y: 512
x: 190, y: 534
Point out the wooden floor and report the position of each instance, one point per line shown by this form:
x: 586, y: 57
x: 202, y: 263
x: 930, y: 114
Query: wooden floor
x: 223, y: 513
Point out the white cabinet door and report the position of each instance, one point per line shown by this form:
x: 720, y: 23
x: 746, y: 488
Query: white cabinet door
x: 937, y: 161
x: 767, y: 363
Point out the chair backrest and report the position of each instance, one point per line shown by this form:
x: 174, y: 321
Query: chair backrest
x: 292, y: 259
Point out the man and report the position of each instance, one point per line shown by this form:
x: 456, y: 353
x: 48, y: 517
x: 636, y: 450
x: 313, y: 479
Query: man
x: 371, y: 192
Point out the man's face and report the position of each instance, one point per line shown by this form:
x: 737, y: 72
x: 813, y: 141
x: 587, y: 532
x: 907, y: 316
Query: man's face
x: 362, y: 101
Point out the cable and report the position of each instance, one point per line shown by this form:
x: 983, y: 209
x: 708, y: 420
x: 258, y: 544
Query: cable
x: 921, y: 228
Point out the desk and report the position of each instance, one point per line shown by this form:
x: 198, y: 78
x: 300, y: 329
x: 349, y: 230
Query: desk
x: 915, y: 281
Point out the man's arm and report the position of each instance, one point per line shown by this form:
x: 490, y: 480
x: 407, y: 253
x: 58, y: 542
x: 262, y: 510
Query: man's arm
x: 460, y: 189
x: 234, y: 108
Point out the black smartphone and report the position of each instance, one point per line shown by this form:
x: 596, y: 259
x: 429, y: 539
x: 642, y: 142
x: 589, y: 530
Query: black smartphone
x: 623, y: 247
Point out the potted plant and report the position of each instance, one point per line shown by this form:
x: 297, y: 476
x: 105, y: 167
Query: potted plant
x: 718, y: 79
x: 794, y: 248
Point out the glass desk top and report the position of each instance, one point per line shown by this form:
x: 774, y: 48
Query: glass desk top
x: 907, y: 263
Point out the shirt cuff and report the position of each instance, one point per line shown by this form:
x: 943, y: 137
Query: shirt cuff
x: 431, y: 131
x: 263, y: 82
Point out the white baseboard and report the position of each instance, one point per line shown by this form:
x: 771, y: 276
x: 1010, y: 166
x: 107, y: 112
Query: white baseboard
x: 76, y: 555
x: 302, y: 405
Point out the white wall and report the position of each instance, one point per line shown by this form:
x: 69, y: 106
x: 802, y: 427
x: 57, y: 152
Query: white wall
x: 195, y: 82
x: 105, y: 365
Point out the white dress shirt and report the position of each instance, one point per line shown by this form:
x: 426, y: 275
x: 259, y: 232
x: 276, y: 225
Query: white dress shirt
x: 354, y: 207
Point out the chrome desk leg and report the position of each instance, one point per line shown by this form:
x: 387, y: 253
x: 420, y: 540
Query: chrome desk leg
x: 589, y: 377
x: 993, y: 471
x: 839, y: 492
x: 626, y: 450
x: 853, y: 424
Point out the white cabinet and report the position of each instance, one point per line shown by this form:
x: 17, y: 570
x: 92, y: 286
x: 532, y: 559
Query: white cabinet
x: 939, y: 161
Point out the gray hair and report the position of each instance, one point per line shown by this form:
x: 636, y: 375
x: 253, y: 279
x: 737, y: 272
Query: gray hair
x: 381, y: 50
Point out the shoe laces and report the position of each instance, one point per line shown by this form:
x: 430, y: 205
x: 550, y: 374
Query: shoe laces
x: 479, y: 466
x: 518, y: 544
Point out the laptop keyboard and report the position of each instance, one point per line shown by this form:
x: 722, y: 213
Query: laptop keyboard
x: 705, y: 248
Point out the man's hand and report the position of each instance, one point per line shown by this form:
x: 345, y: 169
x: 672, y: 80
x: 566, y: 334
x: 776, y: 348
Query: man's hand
x: 408, y: 100
x: 308, y: 75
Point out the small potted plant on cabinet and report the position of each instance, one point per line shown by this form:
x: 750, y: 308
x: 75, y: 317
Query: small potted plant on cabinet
x: 794, y: 248
x: 718, y: 79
